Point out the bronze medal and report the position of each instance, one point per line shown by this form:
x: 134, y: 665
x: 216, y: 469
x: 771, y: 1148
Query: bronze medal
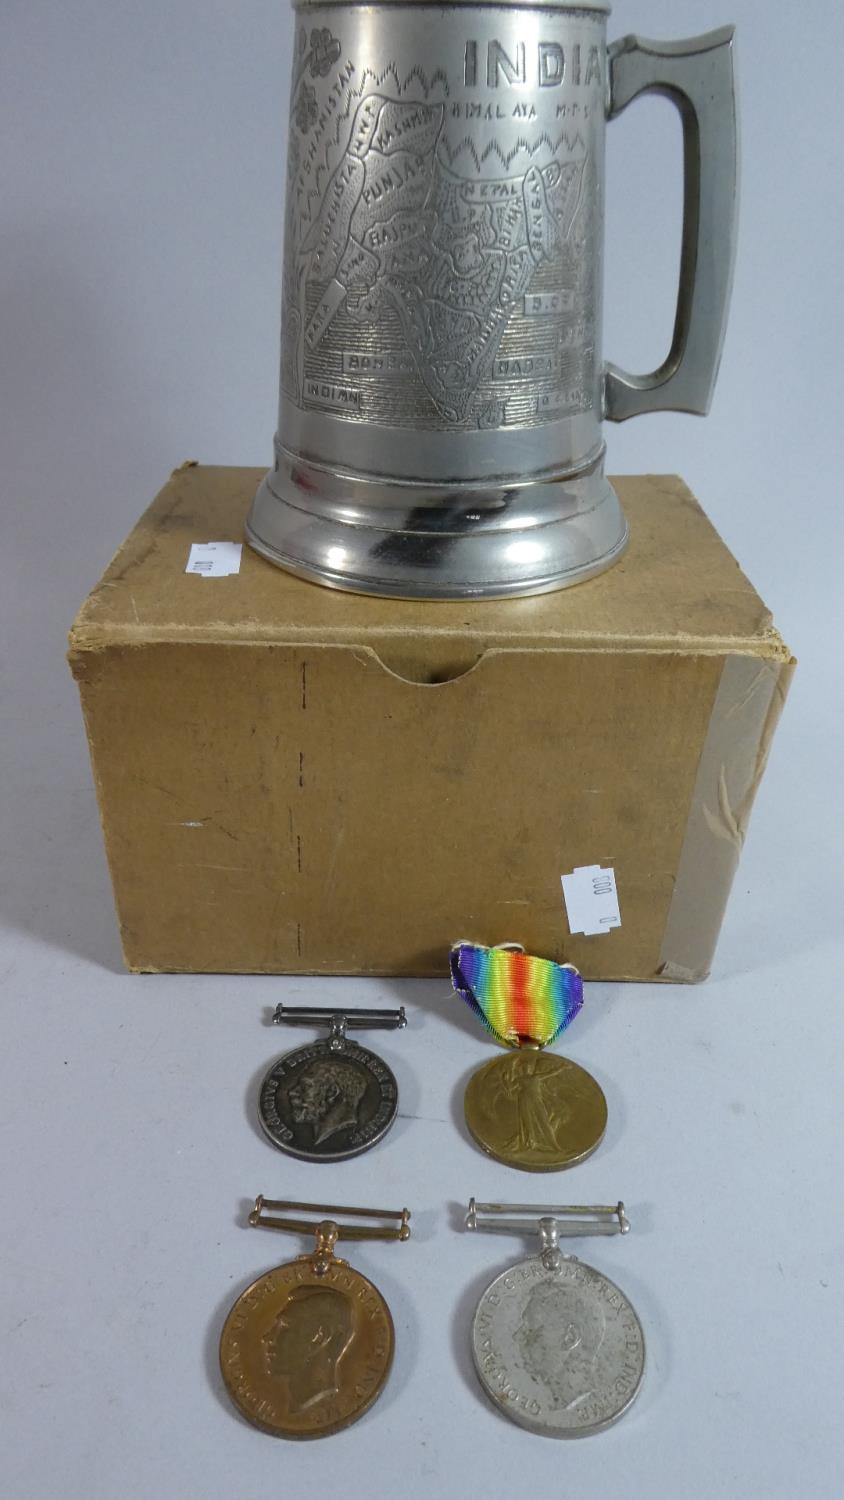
x: 307, y: 1348
x: 532, y: 1110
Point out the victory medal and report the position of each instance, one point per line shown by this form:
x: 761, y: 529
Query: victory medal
x: 527, y: 1109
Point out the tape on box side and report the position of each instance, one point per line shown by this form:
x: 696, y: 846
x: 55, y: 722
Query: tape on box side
x: 747, y: 707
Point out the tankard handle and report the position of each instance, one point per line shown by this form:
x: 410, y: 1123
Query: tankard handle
x: 698, y: 76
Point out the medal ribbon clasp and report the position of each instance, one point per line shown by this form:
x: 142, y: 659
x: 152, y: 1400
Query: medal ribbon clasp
x: 340, y: 1021
x: 328, y: 1230
x: 551, y: 1222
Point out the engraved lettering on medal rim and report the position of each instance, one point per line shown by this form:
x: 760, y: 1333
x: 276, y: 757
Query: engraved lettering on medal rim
x: 578, y: 1382
x: 322, y: 1102
x: 363, y: 1373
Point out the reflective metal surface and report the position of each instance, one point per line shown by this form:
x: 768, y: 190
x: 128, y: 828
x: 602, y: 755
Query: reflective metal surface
x: 559, y: 1350
x: 307, y: 1349
x: 557, y: 1347
x: 536, y: 1111
x: 442, y: 381
x: 333, y: 1099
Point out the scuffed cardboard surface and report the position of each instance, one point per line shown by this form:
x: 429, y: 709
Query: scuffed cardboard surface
x: 677, y: 585
x: 294, y: 779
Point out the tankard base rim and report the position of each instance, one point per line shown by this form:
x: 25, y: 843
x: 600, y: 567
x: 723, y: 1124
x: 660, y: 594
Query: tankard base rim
x: 442, y: 565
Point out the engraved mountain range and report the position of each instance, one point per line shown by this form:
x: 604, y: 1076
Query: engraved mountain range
x: 543, y: 144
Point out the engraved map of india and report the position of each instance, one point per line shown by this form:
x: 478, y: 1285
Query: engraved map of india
x: 428, y: 270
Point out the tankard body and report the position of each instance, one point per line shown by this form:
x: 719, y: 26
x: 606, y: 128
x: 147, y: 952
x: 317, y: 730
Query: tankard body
x: 443, y: 387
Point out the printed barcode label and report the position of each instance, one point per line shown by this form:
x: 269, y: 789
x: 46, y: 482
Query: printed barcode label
x: 591, y: 900
x: 214, y: 559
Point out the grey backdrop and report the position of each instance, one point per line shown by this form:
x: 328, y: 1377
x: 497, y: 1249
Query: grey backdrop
x: 141, y: 163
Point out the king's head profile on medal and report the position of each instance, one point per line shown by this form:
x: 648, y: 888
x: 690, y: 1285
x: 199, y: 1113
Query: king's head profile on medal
x: 307, y: 1348
x: 559, y: 1339
x: 557, y: 1346
x: 331, y: 1099
x: 307, y: 1341
x: 327, y: 1096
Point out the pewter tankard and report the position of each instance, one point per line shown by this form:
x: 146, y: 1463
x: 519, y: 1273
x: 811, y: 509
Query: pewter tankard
x: 442, y: 382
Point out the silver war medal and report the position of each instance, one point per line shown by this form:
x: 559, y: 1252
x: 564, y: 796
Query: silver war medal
x: 332, y: 1099
x: 557, y: 1346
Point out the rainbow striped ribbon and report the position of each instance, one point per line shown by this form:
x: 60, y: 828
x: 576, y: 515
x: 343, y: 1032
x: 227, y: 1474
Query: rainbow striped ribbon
x: 524, y: 1001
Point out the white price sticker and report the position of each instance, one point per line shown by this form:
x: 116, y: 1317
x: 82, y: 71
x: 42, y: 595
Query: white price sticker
x: 214, y: 559
x: 591, y: 900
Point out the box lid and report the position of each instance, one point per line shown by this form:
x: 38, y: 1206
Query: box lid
x: 677, y: 588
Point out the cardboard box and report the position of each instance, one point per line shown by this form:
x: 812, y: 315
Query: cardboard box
x: 293, y: 779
